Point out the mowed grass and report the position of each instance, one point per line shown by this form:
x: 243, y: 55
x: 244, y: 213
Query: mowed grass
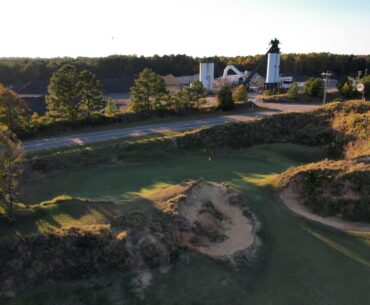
x: 60, y: 212
x: 119, y: 182
x: 301, y: 262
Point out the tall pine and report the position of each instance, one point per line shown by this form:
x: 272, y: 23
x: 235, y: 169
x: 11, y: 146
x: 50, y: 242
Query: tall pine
x: 73, y: 95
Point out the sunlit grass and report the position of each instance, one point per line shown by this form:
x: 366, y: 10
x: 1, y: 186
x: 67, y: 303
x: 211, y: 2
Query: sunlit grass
x: 55, y: 200
x: 363, y: 236
x: 147, y: 191
x: 2, y: 209
x: 338, y: 247
x: 60, y: 212
x: 261, y: 180
x: 42, y: 226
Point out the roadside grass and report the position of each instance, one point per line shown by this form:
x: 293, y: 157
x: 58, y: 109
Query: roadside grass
x: 99, y: 145
x: 301, y: 98
x: 301, y: 262
x: 241, y: 108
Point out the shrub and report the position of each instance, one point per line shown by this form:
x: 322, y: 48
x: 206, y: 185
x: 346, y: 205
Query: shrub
x: 240, y: 94
x: 281, y: 90
x: 314, y: 87
x: 293, y: 91
x: 366, y: 82
x: 267, y: 93
x: 346, y: 90
x: 325, y: 186
x: 225, y: 99
x: 110, y: 107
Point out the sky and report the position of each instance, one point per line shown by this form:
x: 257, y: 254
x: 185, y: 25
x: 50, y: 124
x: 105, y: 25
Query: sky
x: 94, y: 28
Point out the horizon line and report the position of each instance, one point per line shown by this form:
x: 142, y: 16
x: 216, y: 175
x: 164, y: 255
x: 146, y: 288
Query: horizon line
x: 177, y: 54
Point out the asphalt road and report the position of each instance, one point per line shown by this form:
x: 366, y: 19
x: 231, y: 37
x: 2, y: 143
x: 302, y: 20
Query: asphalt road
x: 112, y: 134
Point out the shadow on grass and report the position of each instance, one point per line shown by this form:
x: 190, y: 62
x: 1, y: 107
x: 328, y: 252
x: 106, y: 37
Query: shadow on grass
x: 62, y: 213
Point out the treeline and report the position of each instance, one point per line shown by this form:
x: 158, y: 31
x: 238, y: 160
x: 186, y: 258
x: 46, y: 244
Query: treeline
x: 20, y: 71
x: 75, y: 99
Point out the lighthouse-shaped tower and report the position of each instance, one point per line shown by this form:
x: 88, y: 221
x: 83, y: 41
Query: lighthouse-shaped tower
x: 273, y: 66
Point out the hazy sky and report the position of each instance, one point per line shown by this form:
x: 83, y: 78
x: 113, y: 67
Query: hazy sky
x: 49, y: 28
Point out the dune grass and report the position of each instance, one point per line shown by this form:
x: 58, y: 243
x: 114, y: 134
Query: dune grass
x: 301, y: 262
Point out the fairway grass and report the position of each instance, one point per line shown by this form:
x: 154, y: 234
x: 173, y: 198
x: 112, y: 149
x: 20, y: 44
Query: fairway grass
x: 301, y: 262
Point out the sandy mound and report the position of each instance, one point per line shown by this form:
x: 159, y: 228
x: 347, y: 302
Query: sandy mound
x: 212, y: 219
x: 208, y: 218
x: 293, y: 201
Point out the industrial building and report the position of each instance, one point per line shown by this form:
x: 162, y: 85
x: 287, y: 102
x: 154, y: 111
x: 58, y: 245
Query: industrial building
x: 273, y: 80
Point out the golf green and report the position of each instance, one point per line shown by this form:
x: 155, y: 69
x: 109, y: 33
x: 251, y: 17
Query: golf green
x: 300, y: 263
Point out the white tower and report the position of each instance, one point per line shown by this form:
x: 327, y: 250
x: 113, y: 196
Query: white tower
x: 273, y: 66
x: 207, y: 74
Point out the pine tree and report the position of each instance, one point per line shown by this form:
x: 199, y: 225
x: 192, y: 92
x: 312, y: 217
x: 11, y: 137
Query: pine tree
x: 159, y: 92
x: 148, y: 92
x: 182, y: 99
x: 73, y: 94
x: 90, y: 92
x: 197, y: 93
x: 63, y: 100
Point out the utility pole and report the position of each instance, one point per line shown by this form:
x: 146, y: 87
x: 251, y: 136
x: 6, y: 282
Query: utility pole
x: 326, y: 78
x: 359, y: 73
x: 363, y: 92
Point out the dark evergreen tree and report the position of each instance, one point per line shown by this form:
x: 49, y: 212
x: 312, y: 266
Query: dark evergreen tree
x: 225, y: 98
x: 149, y: 92
x: 73, y: 94
x: 197, y: 93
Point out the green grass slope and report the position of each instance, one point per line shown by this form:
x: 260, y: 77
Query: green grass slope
x: 302, y: 262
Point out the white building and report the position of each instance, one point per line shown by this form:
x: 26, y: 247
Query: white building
x: 207, y: 75
x: 273, y: 66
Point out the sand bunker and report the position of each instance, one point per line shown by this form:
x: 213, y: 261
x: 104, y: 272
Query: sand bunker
x: 212, y: 218
x: 293, y: 201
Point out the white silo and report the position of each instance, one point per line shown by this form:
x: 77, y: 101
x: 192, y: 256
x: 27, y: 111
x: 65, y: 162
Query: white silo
x: 273, y: 66
x: 207, y: 74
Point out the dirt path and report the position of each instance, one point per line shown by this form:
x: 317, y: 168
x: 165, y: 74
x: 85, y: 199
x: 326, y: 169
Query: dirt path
x: 293, y: 202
